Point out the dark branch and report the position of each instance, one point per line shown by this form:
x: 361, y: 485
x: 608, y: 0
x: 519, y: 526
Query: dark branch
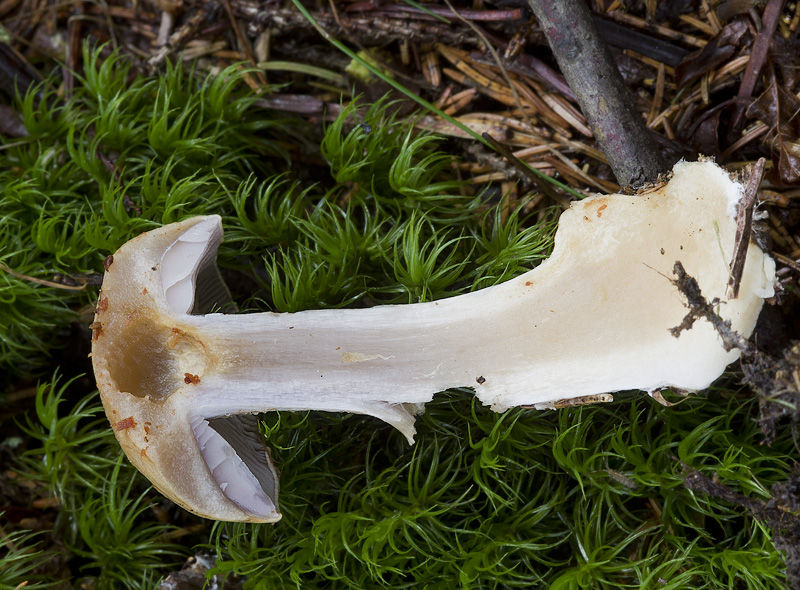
x: 699, y: 308
x: 595, y: 79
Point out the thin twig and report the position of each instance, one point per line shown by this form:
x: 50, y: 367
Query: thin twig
x: 758, y: 57
x: 245, y: 45
x: 42, y: 282
x: 790, y: 263
x: 701, y: 308
x: 744, y: 221
x: 73, y: 48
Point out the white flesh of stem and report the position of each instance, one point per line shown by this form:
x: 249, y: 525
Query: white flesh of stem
x: 593, y: 318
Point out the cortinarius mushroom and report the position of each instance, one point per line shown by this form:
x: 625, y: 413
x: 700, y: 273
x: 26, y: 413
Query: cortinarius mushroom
x: 169, y: 10
x: 179, y: 387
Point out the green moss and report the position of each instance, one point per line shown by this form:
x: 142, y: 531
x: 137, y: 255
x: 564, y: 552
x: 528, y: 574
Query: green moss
x: 20, y: 558
x: 581, y: 498
x: 104, y: 523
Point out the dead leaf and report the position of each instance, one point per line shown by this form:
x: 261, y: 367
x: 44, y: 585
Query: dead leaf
x: 705, y: 134
x: 780, y: 110
x: 718, y: 50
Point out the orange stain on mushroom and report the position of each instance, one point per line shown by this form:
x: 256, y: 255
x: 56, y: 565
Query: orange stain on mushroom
x: 190, y: 379
x: 600, y: 210
x: 97, y: 330
x: 125, y: 423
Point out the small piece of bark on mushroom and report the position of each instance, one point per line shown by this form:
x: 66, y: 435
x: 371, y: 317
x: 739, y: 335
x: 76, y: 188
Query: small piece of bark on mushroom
x: 594, y: 318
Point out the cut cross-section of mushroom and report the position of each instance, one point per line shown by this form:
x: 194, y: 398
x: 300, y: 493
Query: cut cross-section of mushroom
x: 179, y: 383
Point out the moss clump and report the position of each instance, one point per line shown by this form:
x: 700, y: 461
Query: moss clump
x: 581, y: 498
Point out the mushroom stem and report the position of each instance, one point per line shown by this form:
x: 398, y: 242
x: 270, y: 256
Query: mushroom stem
x: 594, y: 318
x: 165, y: 27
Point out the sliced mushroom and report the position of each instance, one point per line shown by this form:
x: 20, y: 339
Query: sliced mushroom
x: 179, y: 383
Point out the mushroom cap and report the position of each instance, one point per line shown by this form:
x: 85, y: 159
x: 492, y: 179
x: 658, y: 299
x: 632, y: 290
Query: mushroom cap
x: 168, y: 5
x: 147, y: 369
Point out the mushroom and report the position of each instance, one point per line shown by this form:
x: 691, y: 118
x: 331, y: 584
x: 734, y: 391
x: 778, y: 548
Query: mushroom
x: 180, y: 383
x: 169, y: 12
